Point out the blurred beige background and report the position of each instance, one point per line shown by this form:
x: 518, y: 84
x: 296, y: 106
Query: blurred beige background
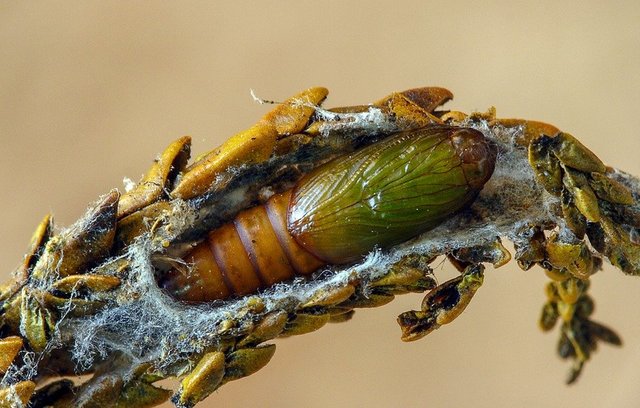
x: 90, y: 92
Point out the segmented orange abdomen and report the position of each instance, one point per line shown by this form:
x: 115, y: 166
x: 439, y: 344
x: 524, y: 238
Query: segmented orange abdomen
x: 254, y: 251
